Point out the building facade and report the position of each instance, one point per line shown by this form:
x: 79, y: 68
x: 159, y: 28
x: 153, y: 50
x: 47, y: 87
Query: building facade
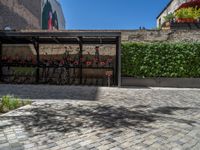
x: 170, y: 8
x: 31, y: 14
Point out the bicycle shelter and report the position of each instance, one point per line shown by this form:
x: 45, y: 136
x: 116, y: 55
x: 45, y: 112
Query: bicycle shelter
x: 79, y: 66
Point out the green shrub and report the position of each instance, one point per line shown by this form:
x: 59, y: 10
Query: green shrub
x: 10, y: 103
x: 161, y: 59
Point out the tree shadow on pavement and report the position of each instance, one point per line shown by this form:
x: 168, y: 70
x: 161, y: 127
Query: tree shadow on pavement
x: 169, y: 110
x: 68, y: 118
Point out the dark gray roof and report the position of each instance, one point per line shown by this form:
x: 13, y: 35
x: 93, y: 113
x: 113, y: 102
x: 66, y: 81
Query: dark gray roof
x: 59, y: 37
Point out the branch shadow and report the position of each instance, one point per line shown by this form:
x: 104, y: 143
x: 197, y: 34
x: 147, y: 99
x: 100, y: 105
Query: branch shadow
x: 68, y: 118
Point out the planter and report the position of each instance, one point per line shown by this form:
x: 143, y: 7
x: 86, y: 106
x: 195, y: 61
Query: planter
x: 109, y: 62
x: 186, y: 20
x: 162, y: 82
x: 76, y: 63
x: 88, y: 63
x: 102, y: 64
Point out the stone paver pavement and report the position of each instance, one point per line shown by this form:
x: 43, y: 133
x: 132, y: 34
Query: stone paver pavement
x: 91, y: 118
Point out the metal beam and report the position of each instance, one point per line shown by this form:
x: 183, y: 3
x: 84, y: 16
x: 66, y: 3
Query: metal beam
x: 56, y: 40
x: 118, y: 61
x: 37, y: 49
x: 61, y: 34
x: 60, y: 42
x: 80, y: 59
x: 1, y: 69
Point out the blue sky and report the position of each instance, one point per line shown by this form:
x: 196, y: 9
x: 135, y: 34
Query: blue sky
x: 111, y: 14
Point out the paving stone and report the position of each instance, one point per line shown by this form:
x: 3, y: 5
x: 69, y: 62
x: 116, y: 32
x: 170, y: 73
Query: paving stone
x: 27, y: 146
x: 70, y: 117
x: 5, y: 146
x: 50, y: 145
x: 103, y: 147
x: 17, y: 148
x: 83, y: 148
x: 42, y: 147
x: 3, y: 141
x: 196, y: 147
x: 55, y: 148
x: 116, y: 148
x: 13, y: 145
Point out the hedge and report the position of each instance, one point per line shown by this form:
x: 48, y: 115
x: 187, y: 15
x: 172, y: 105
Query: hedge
x: 161, y: 59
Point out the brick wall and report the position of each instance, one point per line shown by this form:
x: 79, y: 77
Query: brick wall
x: 161, y: 36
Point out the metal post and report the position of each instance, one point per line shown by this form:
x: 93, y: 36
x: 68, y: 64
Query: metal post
x: 80, y: 59
x: 118, y: 62
x: 1, y: 71
x: 37, y: 49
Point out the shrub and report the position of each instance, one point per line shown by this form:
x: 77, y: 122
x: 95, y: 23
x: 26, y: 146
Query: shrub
x: 10, y: 103
x: 161, y: 59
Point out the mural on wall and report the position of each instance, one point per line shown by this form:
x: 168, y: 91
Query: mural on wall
x: 52, y: 17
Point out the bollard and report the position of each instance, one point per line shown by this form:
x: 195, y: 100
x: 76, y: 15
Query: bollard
x: 109, y: 75
x: 108, y: 81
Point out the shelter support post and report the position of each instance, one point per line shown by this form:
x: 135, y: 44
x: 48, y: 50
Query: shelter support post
x: 1, y: 65
x: 37, y: 49
x: 118, y: 61
x: 80, y: 59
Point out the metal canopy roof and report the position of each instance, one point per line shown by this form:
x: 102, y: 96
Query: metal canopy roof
x: 59, y: 37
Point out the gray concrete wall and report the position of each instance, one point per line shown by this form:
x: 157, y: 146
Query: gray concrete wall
x: 162, y: 82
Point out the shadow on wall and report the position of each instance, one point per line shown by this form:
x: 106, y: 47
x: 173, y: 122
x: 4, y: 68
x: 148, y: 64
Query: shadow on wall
x: 51, y: 92
x: 66, y: 118
x: 22, y: 51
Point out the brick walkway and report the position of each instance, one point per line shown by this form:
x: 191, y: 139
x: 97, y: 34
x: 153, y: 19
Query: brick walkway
x: 82, y: 118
